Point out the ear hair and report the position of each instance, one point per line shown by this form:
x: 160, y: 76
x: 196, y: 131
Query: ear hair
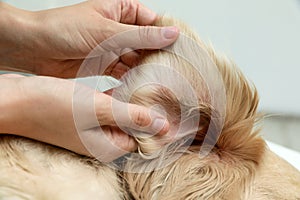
x: 237, y: 136
x: 228, y: 169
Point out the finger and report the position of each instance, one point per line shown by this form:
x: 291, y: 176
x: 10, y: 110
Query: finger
x: 109, y: 69
x: 119, y: 70
x: 145, y: 16
x: 130, y: 58
x: 111, y: 112
x: 144, y: 119
x: 120, y: 139
x: 107, y: 143
x: 133, y: 12
x: 139, y: 37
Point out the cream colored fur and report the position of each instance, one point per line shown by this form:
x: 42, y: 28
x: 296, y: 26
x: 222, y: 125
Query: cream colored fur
x: 240, y: 166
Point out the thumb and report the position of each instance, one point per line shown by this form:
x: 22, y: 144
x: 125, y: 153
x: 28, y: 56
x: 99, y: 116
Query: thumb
x: 140, y: 37
x: 126, y: 115
x: 143, y: 119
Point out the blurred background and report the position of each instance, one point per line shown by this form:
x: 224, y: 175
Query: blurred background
x: 261, y: 36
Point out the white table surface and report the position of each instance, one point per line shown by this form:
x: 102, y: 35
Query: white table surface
x: 293, y: 157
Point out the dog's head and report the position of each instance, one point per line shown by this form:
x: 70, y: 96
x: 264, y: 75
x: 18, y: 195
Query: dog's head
x: 171, y: 166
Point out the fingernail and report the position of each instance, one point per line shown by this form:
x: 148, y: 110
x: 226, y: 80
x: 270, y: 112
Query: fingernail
x: 160, y: 125
x: 170, y: 32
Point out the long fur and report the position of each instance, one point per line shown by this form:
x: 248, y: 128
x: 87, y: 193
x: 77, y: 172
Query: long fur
x: 240, y: 166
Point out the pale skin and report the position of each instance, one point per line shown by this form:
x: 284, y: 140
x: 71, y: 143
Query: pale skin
x: 52, y: 44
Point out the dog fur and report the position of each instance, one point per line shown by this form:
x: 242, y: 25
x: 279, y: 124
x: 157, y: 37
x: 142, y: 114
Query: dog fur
x: 240, y: 165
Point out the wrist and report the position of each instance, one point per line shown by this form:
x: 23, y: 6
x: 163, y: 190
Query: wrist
x: 10, y: 105
x: 16, y: 30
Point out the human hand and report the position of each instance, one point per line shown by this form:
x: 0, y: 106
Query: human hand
x: 55, y: 42
x: 49, y: 110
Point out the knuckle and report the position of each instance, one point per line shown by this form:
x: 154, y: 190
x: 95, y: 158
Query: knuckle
x: 129, y: 11
x: 139, y: 118
x: 147, y: 36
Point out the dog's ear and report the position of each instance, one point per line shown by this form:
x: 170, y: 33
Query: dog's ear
x: 239, y: 136
x: 163, y: 78
x: 226, y: 172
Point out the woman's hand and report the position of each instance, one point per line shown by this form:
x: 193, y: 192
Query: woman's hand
x: 55, y: 42
x: 59, y: 112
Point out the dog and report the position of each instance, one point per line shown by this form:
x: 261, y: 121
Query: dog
x: 236, y: 164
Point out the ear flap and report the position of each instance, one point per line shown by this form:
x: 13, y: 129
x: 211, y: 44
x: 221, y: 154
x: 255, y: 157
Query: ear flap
x: 227, y: 171
x: 239, y: 137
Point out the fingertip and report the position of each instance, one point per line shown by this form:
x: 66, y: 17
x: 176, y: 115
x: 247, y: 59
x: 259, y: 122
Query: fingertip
x: 160, y: 126
x: 153, y: 37
x: 170, y: 33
